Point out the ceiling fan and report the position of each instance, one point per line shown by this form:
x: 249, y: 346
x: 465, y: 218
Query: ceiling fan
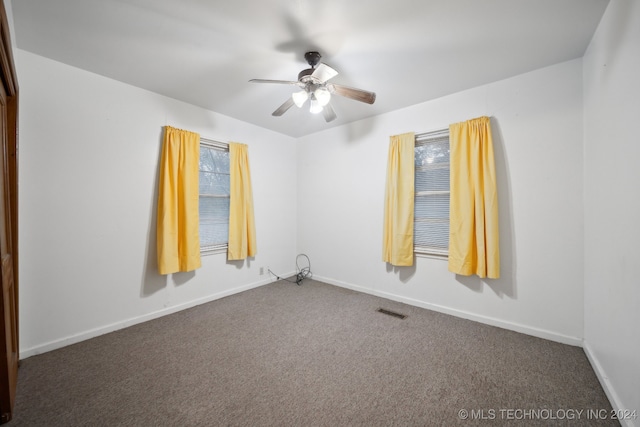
x: 314, y: 87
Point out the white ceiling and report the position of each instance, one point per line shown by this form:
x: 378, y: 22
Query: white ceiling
x: 407, y: 51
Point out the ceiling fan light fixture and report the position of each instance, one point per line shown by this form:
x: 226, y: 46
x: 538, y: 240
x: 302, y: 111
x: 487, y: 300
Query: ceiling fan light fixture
x: 313, y: 82
x: 323, y: 96
x: 299, y: 98
x: 315, y: 107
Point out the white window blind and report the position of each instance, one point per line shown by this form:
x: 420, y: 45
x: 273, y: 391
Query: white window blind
x: 214, y: 195
x: 431, y: 212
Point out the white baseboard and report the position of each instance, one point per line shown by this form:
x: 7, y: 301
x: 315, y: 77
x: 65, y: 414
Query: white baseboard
x: 613, y: 397
x: 529, y: 330
x: 92, y: 333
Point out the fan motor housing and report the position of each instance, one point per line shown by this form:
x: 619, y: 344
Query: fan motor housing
x: 313, y: 59
x: 305, y: 75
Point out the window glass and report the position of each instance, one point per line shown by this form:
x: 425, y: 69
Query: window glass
x: 214, y: 197
x: 431, y: 211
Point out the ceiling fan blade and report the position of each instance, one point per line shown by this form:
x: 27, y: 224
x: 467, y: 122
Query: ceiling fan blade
x: 328, y: 113
x: 323, y: 72
x: 284, y: 107
x: 283, y: 82
x: 349, y: 92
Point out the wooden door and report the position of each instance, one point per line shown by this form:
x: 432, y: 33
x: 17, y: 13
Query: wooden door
x: 8, y: 224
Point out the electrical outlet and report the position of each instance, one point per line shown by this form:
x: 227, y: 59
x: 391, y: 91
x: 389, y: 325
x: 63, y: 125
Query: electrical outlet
x: 261, y: 271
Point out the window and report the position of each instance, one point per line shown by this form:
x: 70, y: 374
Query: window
x: 214, y: 196
x: 431, y: 211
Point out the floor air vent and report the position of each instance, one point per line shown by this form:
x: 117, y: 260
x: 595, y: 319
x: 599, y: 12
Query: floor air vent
x: 391, y: 313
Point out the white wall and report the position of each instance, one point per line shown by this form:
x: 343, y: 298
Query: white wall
x: 537, y: 125
x: 89, y: 150
x: 612, y: 203
x: 89, y: 154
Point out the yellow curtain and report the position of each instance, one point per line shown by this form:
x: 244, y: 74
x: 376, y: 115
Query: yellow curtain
x: 473, y: 233
x: 397, y: 245
x: 178, y: 192
x: 242, y: 230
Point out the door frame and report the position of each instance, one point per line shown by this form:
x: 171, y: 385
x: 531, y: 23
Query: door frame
x: 9, y: 168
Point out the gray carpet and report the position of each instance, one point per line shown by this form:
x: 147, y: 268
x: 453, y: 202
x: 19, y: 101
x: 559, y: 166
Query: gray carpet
x: 309, y: 355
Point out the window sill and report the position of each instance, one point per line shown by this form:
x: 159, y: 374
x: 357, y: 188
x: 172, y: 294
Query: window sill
x: 432, y: 256
x: 213, y: 250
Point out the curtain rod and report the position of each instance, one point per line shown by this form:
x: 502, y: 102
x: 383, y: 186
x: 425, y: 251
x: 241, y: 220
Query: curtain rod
x: 438, y: 133
x: 214, y: 143
x: 432, y: 135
